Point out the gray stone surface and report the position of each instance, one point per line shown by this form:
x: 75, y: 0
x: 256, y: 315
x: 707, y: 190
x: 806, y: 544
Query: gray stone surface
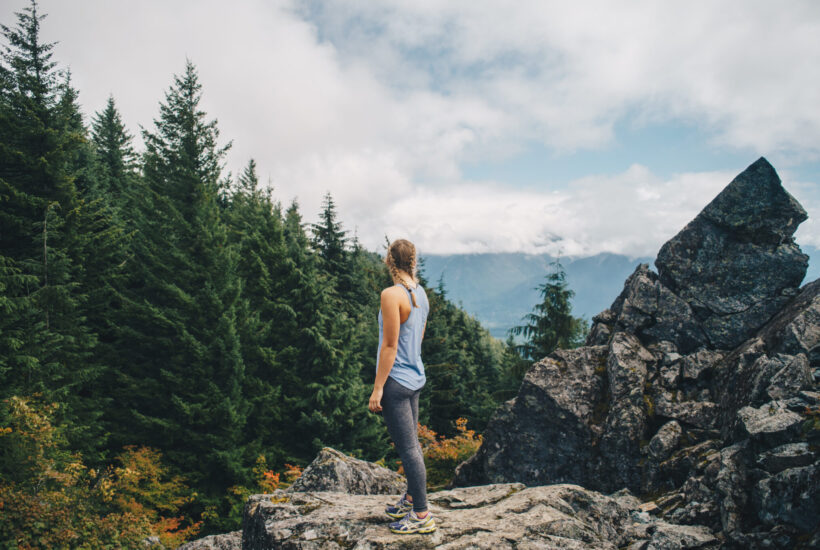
x: 228, y: 541
x: 546, y: 433
x: 499, y: 516
x: 332, y: 470
x: 699, y: 385
x: 736, y: 264
x: 771, y: 423
x: 792, y: 497
x: 665, y: 441
x: 790, y: 455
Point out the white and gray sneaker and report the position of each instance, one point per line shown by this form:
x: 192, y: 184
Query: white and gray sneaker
x: 411, y: 523
x: 401, y: 508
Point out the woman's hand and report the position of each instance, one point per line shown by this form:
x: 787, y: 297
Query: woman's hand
x: 375, y: 404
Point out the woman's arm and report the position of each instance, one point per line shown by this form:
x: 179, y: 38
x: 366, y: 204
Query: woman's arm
x: 391, y: 322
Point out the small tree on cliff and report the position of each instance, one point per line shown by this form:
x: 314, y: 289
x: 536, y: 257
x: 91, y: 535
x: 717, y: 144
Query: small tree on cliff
x: 551, y: 325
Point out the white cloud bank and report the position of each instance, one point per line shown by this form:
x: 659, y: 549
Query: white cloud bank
x: 381, y: 103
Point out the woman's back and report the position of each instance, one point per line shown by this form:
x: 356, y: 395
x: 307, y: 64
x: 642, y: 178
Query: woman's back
x: 408, y: 368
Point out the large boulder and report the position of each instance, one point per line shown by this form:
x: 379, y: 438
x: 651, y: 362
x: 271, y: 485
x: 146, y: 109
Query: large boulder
x: 228, y: 541
x: 776, y: 363
x: 736, y: 264
x: 498, y: 516
x: 698, y: 387
x: 332, y: 470
x: 545, y: 434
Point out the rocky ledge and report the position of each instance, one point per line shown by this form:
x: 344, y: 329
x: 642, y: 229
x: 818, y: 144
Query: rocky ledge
x: 498, y: 516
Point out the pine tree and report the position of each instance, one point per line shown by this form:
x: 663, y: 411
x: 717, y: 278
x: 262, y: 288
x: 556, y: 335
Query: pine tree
x: 323, y: 391
x: 182, y: 373
x: 46, y: 345
x: 115, y: 157
x: 551, y: 325
x: 336, y: 260
x: 257, y: 229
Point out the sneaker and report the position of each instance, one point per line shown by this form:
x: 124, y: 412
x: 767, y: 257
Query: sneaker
x: 402, y: 507
x: 411, y: 523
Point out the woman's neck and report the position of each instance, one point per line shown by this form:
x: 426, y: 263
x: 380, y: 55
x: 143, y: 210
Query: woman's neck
x: 404, y: 279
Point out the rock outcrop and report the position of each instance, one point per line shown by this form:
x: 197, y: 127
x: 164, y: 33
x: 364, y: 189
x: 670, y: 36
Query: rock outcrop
x: 698, y: 386
x: 335, y: 471
x: 500, y: 516
x: 228, y: 541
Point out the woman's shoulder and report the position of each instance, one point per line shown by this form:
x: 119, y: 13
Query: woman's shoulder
x: 391, y: 291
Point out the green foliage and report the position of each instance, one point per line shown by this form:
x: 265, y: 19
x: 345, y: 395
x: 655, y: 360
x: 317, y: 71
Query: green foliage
x: 442, y: 454
x: 463, y: 366
x: 180, y: 375
x: 55, y: 241
x: 51, y: 499
x: 166, y: 309
x: 551, y: 325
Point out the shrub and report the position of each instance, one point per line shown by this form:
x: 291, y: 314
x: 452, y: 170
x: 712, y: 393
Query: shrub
x: 442, y: 455
x: 50, y: 499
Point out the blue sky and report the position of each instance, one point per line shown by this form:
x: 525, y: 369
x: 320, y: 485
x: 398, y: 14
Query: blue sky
x: 533, y: 126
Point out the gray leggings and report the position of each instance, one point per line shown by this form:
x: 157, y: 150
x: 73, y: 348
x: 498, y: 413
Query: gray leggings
x: 400, y: 409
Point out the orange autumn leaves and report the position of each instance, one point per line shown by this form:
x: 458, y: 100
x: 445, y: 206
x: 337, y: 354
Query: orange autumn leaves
x: 442, y: 454
x: 269, y: 480
x: 50, y: 499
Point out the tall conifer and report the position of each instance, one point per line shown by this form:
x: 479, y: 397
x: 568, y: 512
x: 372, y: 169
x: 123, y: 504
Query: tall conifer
x: 182, y: 372
x: 46, y: 345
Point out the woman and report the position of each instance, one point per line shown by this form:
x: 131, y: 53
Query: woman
x: 399, y: 379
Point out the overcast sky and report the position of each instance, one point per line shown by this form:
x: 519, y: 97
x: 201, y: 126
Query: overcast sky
x: 472, y: 126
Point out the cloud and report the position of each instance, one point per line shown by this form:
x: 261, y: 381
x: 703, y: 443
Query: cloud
x: 631, y: 213
x: 566, y: 72
x: 382, y: 103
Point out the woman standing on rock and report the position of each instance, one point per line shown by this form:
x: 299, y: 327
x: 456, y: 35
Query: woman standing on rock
x: 399, y: 379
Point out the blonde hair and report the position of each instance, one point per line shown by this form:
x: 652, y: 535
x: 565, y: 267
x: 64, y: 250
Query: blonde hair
x: 401, y: 255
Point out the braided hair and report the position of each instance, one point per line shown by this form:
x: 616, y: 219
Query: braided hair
x: 401, y: 255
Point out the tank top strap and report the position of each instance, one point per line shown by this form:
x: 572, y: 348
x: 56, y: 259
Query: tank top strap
x: 409, y: 295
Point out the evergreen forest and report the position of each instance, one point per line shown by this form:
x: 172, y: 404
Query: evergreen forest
x: 172, y: 337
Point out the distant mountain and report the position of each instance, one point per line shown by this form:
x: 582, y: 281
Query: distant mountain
x: 499, y: 289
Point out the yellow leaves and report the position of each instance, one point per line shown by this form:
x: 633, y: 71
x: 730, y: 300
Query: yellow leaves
x: 58, y: 502
x: 442, y: 455
x: 292, y: 472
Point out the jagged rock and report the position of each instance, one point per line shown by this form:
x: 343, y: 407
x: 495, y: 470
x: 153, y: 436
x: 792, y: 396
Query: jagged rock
x: 651, y: 311
x: 665, y: 441
x: 791, y: 497
x: 673, y: 472
x: 332, y: 470
x: 695, y: 364
x: 792, y: 376
x: 796, y: 329
x: 698, y: 504
x: 545, y: 435
x: 732, y: 484
x: 493, y: 517
x: 667, y: 536
x: 228, y: 541
x: 746, y: 230
x: 702, y: 414
x: 699, y: 385
x: 771, y: 423
x: 601, y: 329
x: 790, y: 455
